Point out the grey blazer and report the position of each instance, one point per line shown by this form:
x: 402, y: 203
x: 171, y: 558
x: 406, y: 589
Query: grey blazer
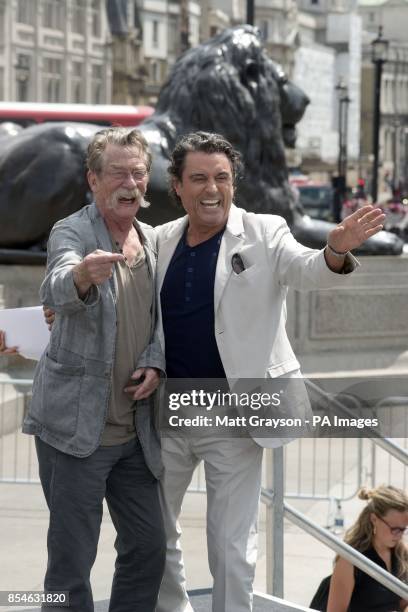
x: 72, y: 381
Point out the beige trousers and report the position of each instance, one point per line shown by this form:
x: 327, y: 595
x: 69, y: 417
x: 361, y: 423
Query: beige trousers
x: 233, y: 480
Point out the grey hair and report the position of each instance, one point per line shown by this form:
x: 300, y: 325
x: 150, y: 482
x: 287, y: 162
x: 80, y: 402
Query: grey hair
x: 121, y: 136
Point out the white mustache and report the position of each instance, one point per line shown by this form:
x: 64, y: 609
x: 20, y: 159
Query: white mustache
x: 134, y: 193
x: 128, y: 193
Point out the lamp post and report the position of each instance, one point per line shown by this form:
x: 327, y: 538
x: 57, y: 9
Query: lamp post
x: 250, y: 12
x: 340, y: 182
x: 379, y: 52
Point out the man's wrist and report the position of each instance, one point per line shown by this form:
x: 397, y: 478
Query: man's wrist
x: 338, y: 254
x: 82, y: 285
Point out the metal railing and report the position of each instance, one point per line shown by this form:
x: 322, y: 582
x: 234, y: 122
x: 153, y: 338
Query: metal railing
x: 277, y: 510
x: 347, y: 552
x: 315, y: 468
x: 387, y: 457
x: 18, y: 463
x: 323, y: 468
x: 305, y: 476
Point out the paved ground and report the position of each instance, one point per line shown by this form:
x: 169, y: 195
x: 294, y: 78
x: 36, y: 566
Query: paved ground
x: 23, y: 527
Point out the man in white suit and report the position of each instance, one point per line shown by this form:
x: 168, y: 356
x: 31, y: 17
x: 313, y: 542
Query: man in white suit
x: 222, y: 278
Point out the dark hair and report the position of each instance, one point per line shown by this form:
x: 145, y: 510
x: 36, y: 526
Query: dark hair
x: 204, y: 142
x: 121, y: 136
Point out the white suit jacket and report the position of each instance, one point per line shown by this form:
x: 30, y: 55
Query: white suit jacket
x: 250, y: 307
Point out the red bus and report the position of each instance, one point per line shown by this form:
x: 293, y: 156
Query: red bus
x: 29, y: 113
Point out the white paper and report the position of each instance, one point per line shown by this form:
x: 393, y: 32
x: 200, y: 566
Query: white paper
x: 26, y: 329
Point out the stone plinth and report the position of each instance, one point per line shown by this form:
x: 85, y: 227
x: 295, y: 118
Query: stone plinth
x: 363, y: 326
x: 19, y: 285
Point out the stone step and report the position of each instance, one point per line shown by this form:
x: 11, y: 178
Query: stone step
x: 201, y: 602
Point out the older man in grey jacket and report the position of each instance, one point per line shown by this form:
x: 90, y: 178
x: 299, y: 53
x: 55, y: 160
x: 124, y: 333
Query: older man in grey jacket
x: 93, y: 439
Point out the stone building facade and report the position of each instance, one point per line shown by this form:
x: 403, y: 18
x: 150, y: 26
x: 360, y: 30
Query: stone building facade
x: 55, y: 51
x: 146, y: 40
x: 392, y: 16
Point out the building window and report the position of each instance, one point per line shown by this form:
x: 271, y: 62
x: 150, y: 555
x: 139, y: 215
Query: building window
x: 405, y: 98
x: 2, y: 32
x: 172, y: 39
x: 97, y: 84
x: 155, y: 33
x: 77, y: 82
x: 154, y: 72
x: 386, y: 96
x: 22, y: 77
x: 52, y: 80
x: 136, y: 16
x: 264, y: 29
x: 1, y: 83
x: 387, y: 146
x: 371, y: 17
x: 53, y: 14
x: 26, y: 11
x: 96, y: 18
x: 78, y: 16
x: 22, y: 90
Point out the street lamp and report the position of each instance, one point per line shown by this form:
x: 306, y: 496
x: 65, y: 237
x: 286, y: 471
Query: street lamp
x: 379, y: 53
x: 340, y: 182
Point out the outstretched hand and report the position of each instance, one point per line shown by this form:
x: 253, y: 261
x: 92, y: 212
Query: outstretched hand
x: 355, y: 229
x: 96, y: 268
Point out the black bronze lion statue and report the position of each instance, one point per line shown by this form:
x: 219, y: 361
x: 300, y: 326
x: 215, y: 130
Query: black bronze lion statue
x: 227, y: 85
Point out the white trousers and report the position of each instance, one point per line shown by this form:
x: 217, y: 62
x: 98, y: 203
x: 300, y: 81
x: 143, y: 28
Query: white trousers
x: 233, y: 480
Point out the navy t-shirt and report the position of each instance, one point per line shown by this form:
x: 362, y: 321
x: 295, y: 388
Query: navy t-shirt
x: 187, y: 301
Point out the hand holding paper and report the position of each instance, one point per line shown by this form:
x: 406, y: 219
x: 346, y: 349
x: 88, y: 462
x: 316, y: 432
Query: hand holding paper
x: 24, y: 330
x: 4, y: 349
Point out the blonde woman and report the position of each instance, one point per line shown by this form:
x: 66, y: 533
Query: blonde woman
x: 378, y: 534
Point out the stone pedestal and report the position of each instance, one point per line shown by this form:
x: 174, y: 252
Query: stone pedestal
x: 20, y: 285
x: 363, y: 326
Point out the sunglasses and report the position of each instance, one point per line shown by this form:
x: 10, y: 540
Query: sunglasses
x: 394, y: 530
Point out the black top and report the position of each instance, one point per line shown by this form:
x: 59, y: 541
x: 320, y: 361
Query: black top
x: 187, y: 300
x: 368, y: 594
